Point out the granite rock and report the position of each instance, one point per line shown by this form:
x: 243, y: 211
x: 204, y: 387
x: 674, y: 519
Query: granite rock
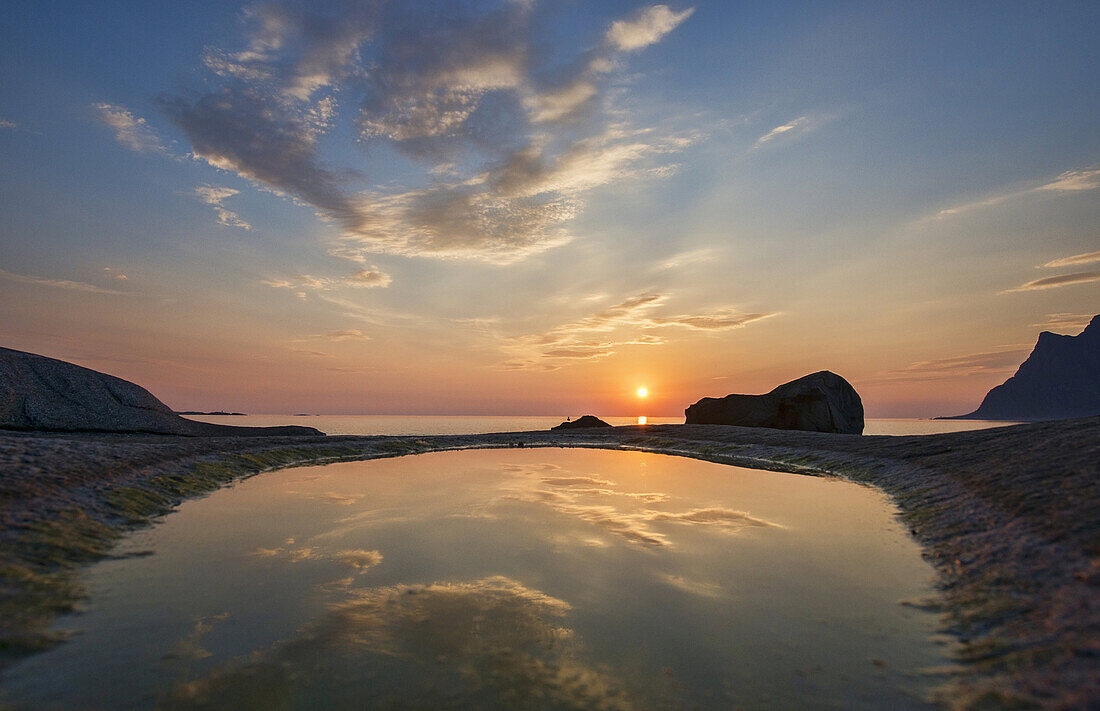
x: 819, y: 402
x: 581, y: 423
x: 40, y: 393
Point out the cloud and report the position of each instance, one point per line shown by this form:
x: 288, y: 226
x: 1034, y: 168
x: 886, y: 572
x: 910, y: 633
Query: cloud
x: 720, y: 320
x: 1057, y: 281
x: 261, y: 139
x: 468, y: 89
x: 492, y: 642
x: 57, y: 283
x: 1074, y: 181
x: 688, y: 258
x: 518, y: 207
x: 1075, y: 260
x: 1064, y: 322
x: 574, y: 340
x: 8, y: 124
x: 1004, y: 360
x: 694, y: 587
x: 118, y: 276
x: 800, y: 124
x: 646, y: 27
x: 214, y: 195
x: 131, y: 131
x: 372, y: 278
x: 347, y: 334
x: 574, y: 495
x: 1071, y: 181
x: 358, y: 559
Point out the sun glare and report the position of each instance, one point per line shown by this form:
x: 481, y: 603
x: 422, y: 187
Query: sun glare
x: 642, y: 392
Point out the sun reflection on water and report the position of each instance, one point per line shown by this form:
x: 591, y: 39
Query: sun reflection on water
x: 641, y: 419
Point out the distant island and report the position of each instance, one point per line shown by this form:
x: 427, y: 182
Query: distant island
x: 215, y: 412
x: 1059, y: 380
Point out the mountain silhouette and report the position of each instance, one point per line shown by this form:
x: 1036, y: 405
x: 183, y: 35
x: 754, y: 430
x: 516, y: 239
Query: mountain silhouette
x: 1059, y: 380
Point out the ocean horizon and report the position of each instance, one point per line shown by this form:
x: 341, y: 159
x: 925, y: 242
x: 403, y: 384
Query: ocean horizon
x: 404, y: 425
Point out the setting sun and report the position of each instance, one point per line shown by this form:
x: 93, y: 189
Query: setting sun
x: 642, y: 392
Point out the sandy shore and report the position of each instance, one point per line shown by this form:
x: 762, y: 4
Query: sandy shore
x: 1010, y: 518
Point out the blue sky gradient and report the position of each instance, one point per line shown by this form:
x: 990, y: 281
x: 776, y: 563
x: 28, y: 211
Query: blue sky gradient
x: 537, y: 207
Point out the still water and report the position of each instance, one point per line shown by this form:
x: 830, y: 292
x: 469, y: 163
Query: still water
x: 535, y: 578
x: 479, y: 424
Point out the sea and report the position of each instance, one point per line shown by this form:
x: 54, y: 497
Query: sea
x: 482, y: 424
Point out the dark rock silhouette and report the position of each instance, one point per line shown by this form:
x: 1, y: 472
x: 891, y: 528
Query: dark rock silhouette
x: 40, y: 393
x: 1059, y: 380
x: 581, y: 423
x: 819, y: 402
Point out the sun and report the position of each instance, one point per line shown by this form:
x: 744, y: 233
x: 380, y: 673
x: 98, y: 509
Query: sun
x: 642, y: 392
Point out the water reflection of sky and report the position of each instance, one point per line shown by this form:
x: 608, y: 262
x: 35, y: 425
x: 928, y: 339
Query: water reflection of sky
x: 554, y: 578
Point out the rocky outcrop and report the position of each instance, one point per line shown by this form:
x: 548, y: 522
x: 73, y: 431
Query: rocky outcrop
x: 40, y: 393
x: 581, y: 423
x: 1059, y: 380
x: 819, y: 402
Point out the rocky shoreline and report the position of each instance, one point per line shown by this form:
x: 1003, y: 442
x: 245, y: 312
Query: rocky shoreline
x: 1009, y: 517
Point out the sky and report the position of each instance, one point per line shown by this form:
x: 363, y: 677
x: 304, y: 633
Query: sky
x: 540, y: 206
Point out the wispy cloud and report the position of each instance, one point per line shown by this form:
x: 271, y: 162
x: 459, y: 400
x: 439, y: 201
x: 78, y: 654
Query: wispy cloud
x: 1075, y: 260
x: 1001, y: 361
x: 8, y: 124
x: 615, y: 512
x: 1057, y: 281
x: 346, y: 334
x: 131, y: 131
x: 688, y: 258
x: 57, y: 283
x: 1071, y: 181
x: 645, y: 27
x: 372, y: 278
x: 624, y: 324
x: 1064, y: 322
x: 798, y: 125
x: 463, y: 89
x: 214, y: 196
x: 119, y: 276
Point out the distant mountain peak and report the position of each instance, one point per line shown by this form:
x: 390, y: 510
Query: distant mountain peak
x: 1059, y: 380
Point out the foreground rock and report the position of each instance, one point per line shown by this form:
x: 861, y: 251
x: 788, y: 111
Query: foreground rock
x: 1006, y: 515
x: 581, y: 423
x: 40, y: 393
x: 819, y: 402
x: 1059, y: 380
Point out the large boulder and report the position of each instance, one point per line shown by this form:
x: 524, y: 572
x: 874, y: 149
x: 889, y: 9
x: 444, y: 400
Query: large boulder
x: 1059, y: 380
x: 819, y: 402
x: 40, y: 393
x: 581, y: 423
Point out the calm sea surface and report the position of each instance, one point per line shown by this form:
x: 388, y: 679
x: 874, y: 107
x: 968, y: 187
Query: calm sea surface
x: 459, y: 424
x: 536, y: 579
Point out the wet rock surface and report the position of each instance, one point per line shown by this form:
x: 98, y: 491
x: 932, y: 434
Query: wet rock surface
x: 1007, y: 516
